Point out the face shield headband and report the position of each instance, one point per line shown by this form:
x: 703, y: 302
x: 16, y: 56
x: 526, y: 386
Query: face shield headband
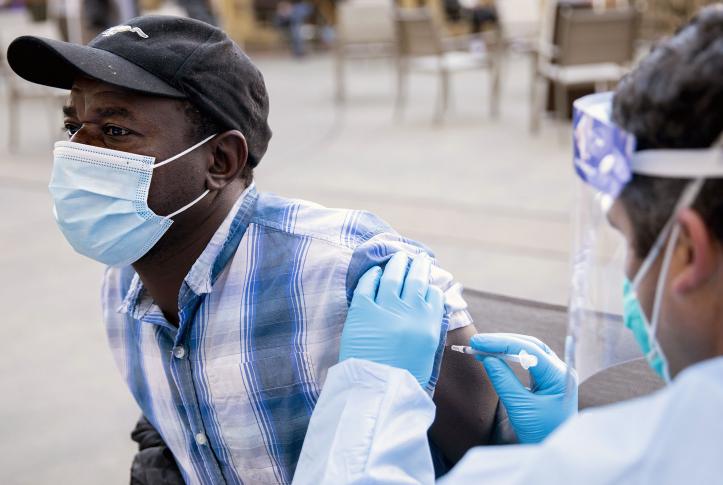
x: 605, y: 159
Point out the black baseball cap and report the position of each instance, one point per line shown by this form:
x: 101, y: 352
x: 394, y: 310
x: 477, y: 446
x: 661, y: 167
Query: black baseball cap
x: 163, y: 56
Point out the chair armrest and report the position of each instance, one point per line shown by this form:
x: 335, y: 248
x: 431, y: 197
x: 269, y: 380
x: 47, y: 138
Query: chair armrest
x: 547, y: 51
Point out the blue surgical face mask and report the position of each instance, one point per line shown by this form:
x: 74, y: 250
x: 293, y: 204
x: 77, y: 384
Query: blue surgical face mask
x: 100, y: 201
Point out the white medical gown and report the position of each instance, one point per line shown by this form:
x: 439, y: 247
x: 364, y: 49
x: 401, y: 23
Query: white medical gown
x: 370, y: 426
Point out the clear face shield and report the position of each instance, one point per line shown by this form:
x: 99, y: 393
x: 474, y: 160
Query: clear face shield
x: 597, y: 338
x: 605, y: 159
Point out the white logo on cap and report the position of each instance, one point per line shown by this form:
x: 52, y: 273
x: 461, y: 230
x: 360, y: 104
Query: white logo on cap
x: 124, y: 28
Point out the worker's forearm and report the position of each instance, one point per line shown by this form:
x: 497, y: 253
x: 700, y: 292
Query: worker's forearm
x: 369, y: 426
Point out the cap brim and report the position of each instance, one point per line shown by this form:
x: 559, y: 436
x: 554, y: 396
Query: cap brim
x: 55, y: 63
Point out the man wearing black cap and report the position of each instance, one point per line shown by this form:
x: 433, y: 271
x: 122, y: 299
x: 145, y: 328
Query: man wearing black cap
x: 224, y: 307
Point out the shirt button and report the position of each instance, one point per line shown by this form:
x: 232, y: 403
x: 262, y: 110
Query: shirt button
x: 201, y: 439
x: 179, y: 352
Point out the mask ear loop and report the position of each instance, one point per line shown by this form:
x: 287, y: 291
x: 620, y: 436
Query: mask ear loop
x: 690, y: 193
x: 652, y: 328
x: 686, y: 199
x: 184, y: 152
x: 189, y: 205
x: 176, y: 157
x: 653, y: 254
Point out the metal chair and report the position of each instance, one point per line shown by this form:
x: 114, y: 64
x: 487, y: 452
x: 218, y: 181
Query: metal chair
x: 420, y: 48
x: 593, y: 48
x: 365, y: 30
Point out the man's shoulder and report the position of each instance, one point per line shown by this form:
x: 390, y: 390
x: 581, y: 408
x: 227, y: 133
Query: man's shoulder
x: 342, y: 227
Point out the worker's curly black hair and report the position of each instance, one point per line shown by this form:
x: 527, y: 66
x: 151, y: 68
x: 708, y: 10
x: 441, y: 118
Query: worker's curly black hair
x: 674, y: 99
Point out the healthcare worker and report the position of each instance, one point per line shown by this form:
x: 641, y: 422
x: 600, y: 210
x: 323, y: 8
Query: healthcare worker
x: 650, y: 162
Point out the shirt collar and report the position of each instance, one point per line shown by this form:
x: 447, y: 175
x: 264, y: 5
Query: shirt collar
x: 199, y: 279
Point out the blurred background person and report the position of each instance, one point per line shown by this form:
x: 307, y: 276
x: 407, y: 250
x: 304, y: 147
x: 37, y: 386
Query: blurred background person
x: 200, y: 10
x: 301, y: 21
x: 479, y: 15
x: 291, y: 15
x: 100, y: 15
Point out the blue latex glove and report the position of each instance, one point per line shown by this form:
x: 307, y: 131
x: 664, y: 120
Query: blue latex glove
x: 534, y: 413
x: 395, y: 317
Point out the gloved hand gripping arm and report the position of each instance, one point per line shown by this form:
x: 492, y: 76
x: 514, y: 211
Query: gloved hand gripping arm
x: 395, y: 317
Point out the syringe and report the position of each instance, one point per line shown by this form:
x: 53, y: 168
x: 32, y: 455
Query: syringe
x: 525, y: 359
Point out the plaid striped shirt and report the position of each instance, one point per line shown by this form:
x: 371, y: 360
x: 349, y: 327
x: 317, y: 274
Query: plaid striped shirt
x: 232, y: 388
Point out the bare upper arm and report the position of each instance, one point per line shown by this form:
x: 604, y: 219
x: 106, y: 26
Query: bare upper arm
x: 465, y: 399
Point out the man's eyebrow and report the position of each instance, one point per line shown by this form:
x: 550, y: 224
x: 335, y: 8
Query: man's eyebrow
x: 116, y: 111
x: 105, y: 112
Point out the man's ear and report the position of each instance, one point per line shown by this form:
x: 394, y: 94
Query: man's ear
x: 699, y: 250
x: 230, y: 155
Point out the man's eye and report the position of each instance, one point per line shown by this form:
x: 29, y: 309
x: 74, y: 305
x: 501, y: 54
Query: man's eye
x: 111, y: 130
x: 71, y: 129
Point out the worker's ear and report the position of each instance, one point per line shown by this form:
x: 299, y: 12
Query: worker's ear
x: 697, y: 250
x: 229, y: 157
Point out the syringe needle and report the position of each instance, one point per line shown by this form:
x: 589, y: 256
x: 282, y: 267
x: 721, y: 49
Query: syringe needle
x: 525, y: 359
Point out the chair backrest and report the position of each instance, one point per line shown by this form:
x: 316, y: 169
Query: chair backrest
x: 417, y: 33
x: 587, y: 36
x: 365, y: 21
x: 519, y: 18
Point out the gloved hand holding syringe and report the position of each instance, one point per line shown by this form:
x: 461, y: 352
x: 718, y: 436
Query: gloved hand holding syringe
x: 523, y: 358
x: 534, y: 411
